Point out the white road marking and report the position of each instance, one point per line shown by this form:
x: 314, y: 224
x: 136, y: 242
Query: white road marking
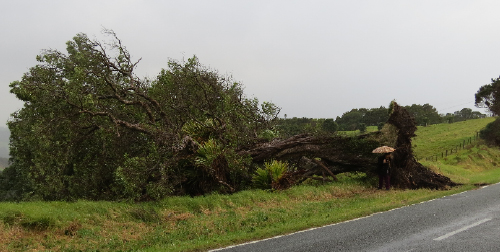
x: 462, y: 229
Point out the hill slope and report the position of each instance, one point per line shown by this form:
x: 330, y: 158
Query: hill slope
x: 437, y: 138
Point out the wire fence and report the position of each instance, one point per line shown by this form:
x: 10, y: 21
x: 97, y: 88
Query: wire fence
x: 453, y: 150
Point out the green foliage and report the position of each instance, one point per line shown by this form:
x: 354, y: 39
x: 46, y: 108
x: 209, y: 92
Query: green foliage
x: 329, y: 125
x: 91, y: 129
x: 424, y: 114
x: 491, y: 133
x: 208, y: 152
x: 134, y: 179
x: 350, y: 120
x: 362, y: 127
x: 488, y: 96
x: 262, y: 179
x: 270, y: 173
x: 269, y: 134
x: 288, y: 127
x: 380, y: 125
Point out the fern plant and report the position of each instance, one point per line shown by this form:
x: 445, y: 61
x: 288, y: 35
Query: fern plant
x: 271, y: 172
x: 207, y: 153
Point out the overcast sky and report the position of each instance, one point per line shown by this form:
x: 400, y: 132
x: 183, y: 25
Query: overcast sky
x: 315, y: 59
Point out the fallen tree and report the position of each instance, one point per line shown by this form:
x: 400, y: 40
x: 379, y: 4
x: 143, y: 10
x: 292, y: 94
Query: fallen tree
x: 327, y: 156
x: 316, y: 157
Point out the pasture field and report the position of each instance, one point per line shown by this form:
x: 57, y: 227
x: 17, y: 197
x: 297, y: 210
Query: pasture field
x: 213, y: 221
x: 437, y: 138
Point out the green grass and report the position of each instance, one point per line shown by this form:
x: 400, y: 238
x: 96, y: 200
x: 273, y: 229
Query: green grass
x: 357, y: 132
x: 212, y: 221
x: 190, y: 224
x: 476, y: 164
x: 436, y: 139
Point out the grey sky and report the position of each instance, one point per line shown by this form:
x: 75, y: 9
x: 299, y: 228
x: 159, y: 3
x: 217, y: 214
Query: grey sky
x: 314, y: 59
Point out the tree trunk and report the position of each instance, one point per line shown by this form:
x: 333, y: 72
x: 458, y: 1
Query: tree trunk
x: 327, y: 156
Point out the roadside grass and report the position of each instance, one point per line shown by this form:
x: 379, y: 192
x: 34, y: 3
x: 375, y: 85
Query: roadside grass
x: 478, y: 164
x: 213, y: 221
x: 196, y: 224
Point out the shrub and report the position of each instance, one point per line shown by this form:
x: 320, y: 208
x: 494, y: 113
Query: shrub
x: 491, y: 133
x: 362, y: 127
x: 272, y: 172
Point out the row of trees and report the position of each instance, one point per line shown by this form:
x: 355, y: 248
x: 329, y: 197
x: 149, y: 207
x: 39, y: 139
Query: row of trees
x: 287, y: 127
x: 359, y: 119
x: 424, y: 115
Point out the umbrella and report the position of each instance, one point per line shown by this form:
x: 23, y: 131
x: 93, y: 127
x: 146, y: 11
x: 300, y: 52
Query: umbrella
x: 383, y: 149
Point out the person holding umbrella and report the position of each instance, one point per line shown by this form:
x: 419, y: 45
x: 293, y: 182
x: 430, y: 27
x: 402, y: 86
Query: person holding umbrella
x: 384, y: 166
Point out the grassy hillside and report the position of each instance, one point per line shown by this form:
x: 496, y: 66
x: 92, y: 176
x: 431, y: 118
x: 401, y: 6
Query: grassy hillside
x: 435, y: 139
x: 201, y: 223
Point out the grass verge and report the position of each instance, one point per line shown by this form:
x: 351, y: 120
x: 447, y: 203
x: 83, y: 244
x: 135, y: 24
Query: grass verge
x: 196, y: 224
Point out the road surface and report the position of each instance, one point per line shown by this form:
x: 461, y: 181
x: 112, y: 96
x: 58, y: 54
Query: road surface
x: 469, y: 221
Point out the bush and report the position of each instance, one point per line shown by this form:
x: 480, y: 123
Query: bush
x: 491, y: 133
x: 272, y: 172
x: 362, y: 127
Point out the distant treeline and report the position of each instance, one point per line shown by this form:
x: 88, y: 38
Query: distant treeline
x: 359, y: 119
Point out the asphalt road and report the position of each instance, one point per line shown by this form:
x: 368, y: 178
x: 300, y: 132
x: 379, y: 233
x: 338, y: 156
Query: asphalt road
x: 468, y: 221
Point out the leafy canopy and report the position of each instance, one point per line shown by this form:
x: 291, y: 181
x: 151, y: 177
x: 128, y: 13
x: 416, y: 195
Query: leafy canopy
x: 90, y: 128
